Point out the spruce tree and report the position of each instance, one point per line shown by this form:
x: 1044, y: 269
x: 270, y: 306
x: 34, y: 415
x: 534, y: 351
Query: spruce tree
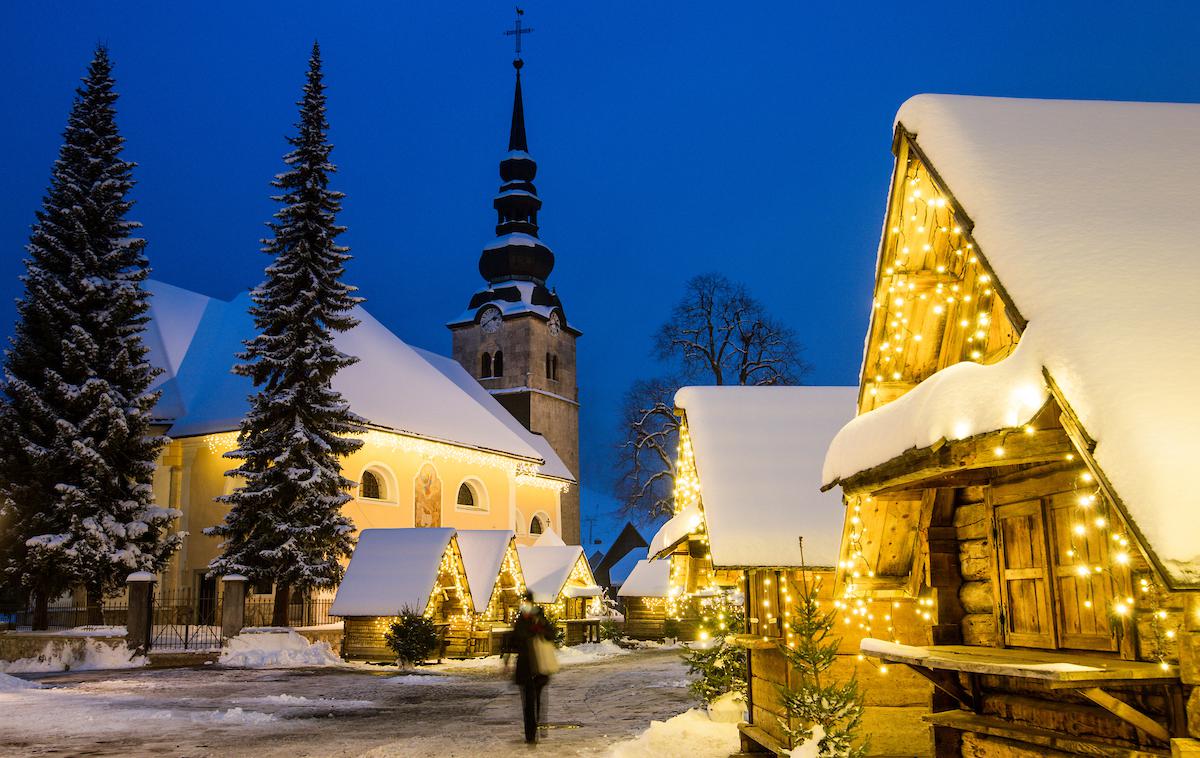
x: 286, y: 523
x: 77, y: 455
x: 828, y: 710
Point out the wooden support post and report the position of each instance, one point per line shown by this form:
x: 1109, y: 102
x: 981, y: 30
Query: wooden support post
x: 233, y: 605
x: 1126, y: 712
x: 139, y: 619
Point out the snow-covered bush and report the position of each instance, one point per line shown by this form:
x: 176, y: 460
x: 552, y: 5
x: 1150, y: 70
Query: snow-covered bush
x: 412, y: 637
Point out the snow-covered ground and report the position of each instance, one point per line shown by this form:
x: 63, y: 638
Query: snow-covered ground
x: 93, y: 655
x: 596, y: 707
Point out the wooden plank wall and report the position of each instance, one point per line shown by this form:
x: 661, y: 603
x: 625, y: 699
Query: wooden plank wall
x: 363, y: 639
x: 899, y: 688
x: 645, y: 620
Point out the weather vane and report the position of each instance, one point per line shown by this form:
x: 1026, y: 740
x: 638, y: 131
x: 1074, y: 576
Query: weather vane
x: 517, y: 31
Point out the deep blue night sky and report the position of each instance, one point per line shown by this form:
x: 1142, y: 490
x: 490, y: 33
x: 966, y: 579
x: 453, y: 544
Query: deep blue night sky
x: 672, y: 139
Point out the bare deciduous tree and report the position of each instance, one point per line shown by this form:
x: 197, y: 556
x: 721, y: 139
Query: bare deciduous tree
x: 717, y: 334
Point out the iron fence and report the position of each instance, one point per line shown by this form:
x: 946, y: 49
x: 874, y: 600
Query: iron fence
x: 185, y: 620
x: 113, y: 612
x: 260, y: 611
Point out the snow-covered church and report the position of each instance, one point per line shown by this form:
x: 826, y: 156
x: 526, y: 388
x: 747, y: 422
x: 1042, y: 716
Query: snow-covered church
x: 486, y: 440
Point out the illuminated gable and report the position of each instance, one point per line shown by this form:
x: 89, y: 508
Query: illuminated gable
x: 936, y: 301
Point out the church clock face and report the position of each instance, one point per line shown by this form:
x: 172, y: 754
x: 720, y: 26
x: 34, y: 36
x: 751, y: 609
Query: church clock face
x: 490, y: 320
x: 554, y: 325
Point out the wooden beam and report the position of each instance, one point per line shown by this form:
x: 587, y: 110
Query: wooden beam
x: 1006, y: 447
x: 1033, y: 736
x: 1126, y: 712
x: 948, y: 684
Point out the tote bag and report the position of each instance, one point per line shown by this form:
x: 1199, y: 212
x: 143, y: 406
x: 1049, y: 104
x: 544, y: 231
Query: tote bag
x: 545, y: 659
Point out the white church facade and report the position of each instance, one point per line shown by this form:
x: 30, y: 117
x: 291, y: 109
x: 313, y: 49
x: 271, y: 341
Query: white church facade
x: 440, y: 450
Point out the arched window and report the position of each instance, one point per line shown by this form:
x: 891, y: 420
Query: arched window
x: 485, y: 366
x: 466, y: 498
x: 372, y: 486
x: 498, y: 364
x: 537, y: 525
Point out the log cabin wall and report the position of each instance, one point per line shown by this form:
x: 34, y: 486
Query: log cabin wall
x: 1020, y: 585
x: 972, y: 527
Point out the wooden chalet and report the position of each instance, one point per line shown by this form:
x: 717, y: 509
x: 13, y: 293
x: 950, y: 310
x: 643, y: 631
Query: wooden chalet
x: 496, y: 582
x: 560, y: 580
x: 644, y: 594
x: 395, y: 569
x: 748, y: 485
x: 1022, y: 464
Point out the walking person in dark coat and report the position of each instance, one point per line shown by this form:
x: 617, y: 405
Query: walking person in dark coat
x: 531, y: 624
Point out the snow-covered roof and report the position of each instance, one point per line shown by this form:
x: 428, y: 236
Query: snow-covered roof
x: 758, y: 453
x: 1088, y: 212
x: 508, y: 308
x: 620, y: 571
x: 521, y: 239
x: 675, y: 530
x: 394, y: 386
x: 648, y: 579
x: 391, y: 569
x: 547, y: 568
x: 549, y: 538
x: 454, y: 371
x: 483, y: 555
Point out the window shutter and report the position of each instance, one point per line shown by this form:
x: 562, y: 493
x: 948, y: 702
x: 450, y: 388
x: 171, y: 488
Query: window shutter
x: 1024, y: 575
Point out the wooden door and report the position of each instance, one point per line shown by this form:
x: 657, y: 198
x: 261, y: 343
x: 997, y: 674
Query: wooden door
x: 1024, y: 575
x: 1082, y: 599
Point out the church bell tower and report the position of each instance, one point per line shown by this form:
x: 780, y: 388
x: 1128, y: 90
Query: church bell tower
x: 514, y: 336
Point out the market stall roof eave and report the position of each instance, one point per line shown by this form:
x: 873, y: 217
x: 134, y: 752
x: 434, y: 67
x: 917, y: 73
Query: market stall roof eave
x: 392, y: 570
x: 758, y: 454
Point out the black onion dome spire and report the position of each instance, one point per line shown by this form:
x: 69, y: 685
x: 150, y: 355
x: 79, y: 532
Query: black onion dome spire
x: 517, y: 253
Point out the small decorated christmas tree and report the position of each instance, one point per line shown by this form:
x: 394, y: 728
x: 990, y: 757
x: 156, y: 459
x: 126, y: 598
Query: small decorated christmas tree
x: 827, y: 710
x: 722, y: 665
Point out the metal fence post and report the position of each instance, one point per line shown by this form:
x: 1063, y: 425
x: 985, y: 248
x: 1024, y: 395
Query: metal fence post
x: 139, y: 618
x: 233, y: 605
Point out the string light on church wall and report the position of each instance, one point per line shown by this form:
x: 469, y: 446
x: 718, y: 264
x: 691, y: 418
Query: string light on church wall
x: 525, y: 473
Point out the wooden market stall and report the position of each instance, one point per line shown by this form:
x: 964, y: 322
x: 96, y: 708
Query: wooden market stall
x: 496, y: 582
x: 644, y: 593
x: 748, y: 484
x: 396, y: 569
x: 1023, y: 462
x: 560, y: 580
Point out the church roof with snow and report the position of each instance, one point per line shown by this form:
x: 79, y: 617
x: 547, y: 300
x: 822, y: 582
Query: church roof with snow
x: 1089, y: 215
x: 758, y: 454
x: 396, y: 387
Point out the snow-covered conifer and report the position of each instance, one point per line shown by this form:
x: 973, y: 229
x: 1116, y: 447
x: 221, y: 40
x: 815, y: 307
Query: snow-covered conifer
x: 286, y: 523
x: 77, y: 455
